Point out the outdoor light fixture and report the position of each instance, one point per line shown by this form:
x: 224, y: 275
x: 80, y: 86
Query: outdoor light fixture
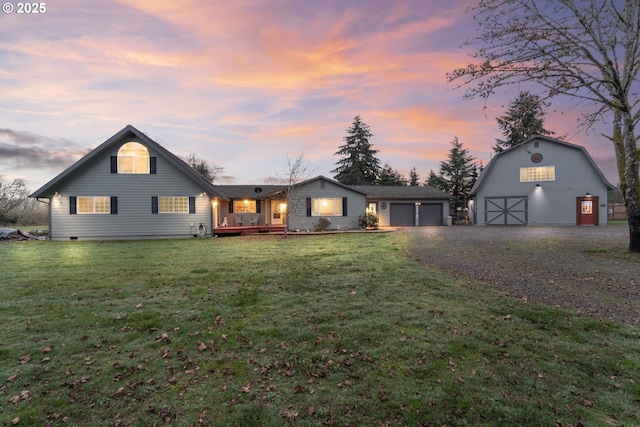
x: 588, y: 194
x: 538, y: 188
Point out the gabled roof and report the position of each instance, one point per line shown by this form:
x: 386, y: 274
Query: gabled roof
x: 208, y: 187
x: 400, y: 192
x: 333, y: 181
x: 485, y: 172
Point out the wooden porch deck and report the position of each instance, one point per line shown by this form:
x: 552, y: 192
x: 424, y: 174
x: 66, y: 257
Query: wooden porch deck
x: 247, y: 229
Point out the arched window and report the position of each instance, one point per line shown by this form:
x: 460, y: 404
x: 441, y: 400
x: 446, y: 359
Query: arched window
x: 133, y: 157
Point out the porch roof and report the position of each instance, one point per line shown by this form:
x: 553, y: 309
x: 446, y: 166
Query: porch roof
x: 253, y: 191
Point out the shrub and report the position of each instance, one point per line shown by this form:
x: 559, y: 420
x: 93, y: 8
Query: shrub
x: 368, y: 221
x: 323, y: 224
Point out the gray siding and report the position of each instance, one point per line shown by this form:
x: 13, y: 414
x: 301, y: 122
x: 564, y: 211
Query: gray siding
x: 134, y: 191
x: 298, y: 219
x: 555, y: 202
x: 384, y: 215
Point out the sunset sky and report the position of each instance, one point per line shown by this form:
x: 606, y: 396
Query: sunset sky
x: 245, y: 83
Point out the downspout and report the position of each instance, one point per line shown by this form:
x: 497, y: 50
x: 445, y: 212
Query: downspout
x: 47, y: 202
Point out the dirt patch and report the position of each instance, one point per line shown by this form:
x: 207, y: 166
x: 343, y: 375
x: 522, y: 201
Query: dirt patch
x: 585, y: 269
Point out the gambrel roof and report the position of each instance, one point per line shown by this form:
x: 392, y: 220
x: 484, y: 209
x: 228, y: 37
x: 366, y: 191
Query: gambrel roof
x: 487, y: 170
x: 130, y: 131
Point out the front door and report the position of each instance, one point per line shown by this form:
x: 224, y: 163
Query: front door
x: 278, y: 211
x: 587, y: 210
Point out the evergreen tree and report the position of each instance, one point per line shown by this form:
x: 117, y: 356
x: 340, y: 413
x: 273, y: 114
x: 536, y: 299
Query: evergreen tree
x: 523, y: 119
x: 359, y: 164
x: 414, y: 178
x: 389, y: 176
x: 458, y: 175
x: 436, y: 181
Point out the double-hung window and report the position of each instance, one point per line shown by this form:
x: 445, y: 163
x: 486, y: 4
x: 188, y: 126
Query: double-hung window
x: 94, y: 205
x: 85, y: 205
x: 173, y: 205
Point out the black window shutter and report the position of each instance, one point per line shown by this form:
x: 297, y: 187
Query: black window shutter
x: 152, y: 165
x: 231, y: 206
x: 344, y: 206
x: 114, y: 164
x: 154, y: 204
x: 72, y: 205
x: 114, y: 205
x: 308, y: 206
x: 257, y: 206
x: 192, y: 205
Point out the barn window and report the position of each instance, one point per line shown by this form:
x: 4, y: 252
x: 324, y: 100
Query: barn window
x: 540, y: 173
x: 133, y: 157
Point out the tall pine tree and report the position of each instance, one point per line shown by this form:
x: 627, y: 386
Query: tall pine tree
x: 457, y: 176
x: 523, y: 119
x: 414, y: 178
x: 391, y: 177
x: 359, y: 164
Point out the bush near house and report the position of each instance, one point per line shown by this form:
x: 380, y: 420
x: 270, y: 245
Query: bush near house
x: 368, y: 221
x: 323, y: 224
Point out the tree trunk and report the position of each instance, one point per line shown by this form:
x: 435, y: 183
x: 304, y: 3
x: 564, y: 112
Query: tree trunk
x: 633, y: 216
x: 630, y: 178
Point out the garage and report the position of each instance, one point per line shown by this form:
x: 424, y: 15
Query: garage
x: 404, y: 214
x: 511, y: 210
x: 430, y: 214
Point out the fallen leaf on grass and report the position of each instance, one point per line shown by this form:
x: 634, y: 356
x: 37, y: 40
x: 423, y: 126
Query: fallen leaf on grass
x: 25, y: 359
x: 164, y: 337
x: 12, y: 378
x: 15, y: 421
x: 24, y: 395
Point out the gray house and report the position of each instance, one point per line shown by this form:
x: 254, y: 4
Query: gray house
x: 342, y: 205
x: 321, y: 197
x: 129, y: 187
x: 543, y: 181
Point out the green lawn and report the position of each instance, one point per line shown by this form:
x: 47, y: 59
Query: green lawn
x: 309, y: 331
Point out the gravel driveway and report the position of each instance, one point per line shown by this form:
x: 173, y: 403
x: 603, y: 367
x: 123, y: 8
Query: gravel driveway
x: 585, y: 269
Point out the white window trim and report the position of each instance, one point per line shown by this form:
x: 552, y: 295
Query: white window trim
x: 530, y: 174
x: 173, y: 204
x: 139, y: 164
x: 315, y: 206
x: 95, y: 200
x: 244, y: 203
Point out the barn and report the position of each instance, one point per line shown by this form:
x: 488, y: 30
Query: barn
x: 542, y: 181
